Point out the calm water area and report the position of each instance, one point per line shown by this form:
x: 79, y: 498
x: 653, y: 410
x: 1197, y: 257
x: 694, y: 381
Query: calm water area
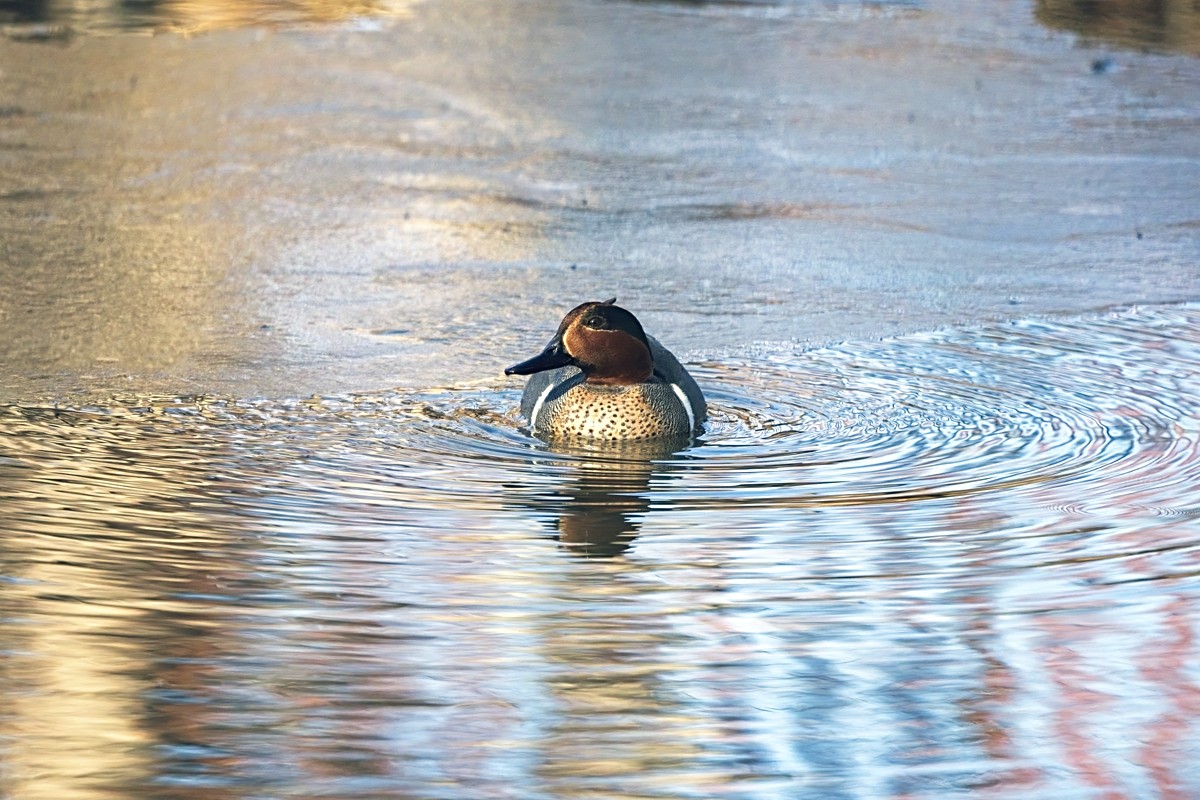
x: 272, y: 527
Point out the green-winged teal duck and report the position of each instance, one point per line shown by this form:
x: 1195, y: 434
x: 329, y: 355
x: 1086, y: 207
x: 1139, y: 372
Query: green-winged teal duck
x: 601, y: 377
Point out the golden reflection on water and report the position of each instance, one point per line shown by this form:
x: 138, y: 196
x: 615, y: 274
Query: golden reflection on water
x: 72, y: 711
x: 151, y: 222
x: 115, y: 261
x: 198, y: 16
x: 97, y: 538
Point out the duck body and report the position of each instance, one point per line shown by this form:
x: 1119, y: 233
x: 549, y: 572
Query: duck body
x: 602, y: 378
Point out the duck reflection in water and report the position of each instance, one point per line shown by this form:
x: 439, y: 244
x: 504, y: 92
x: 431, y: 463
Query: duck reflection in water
x: 617, y: 402
x: 602, y: 494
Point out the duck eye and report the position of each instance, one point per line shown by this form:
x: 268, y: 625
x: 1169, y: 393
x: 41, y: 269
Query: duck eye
x: 594, y: 321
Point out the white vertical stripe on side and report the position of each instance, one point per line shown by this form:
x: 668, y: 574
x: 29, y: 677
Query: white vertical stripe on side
x: 537, y: 407
x: 687, y: 406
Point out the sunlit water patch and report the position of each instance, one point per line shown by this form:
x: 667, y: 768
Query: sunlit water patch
x: 965, y: 560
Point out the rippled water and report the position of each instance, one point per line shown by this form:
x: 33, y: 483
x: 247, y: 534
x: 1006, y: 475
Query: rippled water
x: 965, y: 560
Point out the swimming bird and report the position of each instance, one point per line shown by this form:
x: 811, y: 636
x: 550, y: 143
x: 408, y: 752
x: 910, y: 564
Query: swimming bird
x: 601, y: 377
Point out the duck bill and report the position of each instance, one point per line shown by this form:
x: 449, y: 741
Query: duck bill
x: 553, y: 357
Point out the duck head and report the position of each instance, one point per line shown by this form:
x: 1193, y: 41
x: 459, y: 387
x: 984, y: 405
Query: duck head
x: 603, y: 340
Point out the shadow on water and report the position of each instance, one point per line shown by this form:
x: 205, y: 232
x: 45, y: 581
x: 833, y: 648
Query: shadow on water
x: 983, y: 542
x: 1163, y: 25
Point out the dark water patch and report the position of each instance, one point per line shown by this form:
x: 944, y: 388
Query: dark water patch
x: 1166, y: 25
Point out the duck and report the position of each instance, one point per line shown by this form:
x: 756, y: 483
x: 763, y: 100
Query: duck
x: 601, y: 377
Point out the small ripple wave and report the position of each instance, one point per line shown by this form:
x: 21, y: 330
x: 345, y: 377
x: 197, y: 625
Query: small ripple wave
x: 1070, y: 414
x: 1108, y: 402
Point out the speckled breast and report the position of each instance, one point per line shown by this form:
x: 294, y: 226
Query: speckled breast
x: 641, y: 411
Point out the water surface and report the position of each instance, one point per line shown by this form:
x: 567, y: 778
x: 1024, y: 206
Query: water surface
x: 270, y: 527
x: 949, y: 562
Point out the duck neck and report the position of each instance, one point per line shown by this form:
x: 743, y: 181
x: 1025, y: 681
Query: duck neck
x: 626, y: 371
